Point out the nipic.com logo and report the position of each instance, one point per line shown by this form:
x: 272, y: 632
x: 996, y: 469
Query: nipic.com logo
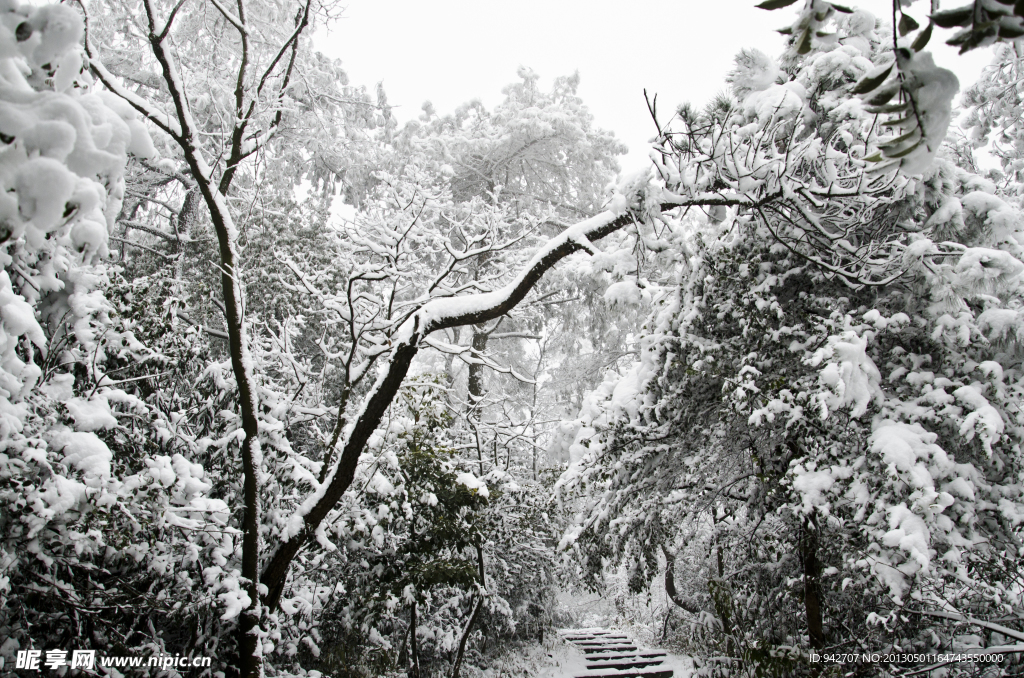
x: 88, y: 660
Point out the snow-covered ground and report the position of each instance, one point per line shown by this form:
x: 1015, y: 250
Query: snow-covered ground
x: 557, y: 658
x: 561, y: 660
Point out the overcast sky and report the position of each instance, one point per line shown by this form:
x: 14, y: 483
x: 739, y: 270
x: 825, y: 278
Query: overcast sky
x: 452, y: 51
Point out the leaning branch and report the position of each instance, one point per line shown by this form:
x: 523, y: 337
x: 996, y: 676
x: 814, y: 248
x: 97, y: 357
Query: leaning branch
x: 128, y: 224
x: 998, y: 628
x: 434, y: 315
x: 209, y: 330
x: 152, y: 114
x: 232, y: 19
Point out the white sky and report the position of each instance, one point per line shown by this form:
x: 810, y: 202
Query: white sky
x: 452, y: 51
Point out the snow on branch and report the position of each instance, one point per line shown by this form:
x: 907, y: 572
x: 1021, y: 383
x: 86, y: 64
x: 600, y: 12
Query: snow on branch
x: 232, y: 19
x: 111, y: 82
x: 440, y: 314
x: 466, y: 354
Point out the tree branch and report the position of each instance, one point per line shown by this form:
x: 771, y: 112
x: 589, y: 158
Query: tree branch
x: 170, y: 237
x: 209, y: 330
x: 232, y: 19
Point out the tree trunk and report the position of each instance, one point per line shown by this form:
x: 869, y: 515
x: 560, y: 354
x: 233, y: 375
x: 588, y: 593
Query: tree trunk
x: 475, y: 384
x: 242, y: 366
x: 414, y: 648
x: 670, y: 584
x: 476, y: 370
x: 187, y: 217
x: 812, y: 584
x: 403, y: 653
x: 721, y: 595
x: 456, y: 667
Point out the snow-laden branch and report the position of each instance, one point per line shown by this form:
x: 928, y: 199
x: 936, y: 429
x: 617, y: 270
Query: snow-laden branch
x: 219, y: 334
x: 153, y: 114
x: 998, y: 628
x: 139, y: 226
x: 439, y: 314
x: 465, y: 354
x: 515, y: 335
x: 432, y: 316
x: 232, y: 19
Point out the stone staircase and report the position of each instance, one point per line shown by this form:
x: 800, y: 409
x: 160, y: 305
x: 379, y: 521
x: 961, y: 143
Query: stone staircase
x: 610, y: 654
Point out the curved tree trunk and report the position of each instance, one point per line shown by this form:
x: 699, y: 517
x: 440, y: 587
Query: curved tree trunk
x: 670, y: 584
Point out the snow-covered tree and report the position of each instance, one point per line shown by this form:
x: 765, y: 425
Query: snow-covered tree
x: 95, y: 490
x: 824, y: 399
x: 212, y: 441
x: 281, y: 493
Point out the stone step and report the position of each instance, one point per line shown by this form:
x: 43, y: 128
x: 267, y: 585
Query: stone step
x: 666, y: 673
x: 635, y: 655
x: 624, y: 665
x: 609, y: 648
x: 611, y: 654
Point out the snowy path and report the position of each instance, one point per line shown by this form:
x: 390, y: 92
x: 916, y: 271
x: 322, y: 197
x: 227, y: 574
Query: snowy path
x: 611, y: 654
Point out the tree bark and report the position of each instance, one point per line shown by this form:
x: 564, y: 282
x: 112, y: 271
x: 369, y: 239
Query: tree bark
x: 812, y: 584
x: 414, y: 650
x: 475, y: 385
x: 670, y: 584
x: 457, y: 665
x: 476, y: 369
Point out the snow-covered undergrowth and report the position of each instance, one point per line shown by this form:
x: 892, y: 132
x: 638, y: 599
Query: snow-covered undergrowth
x: 553, y: 658
x: 72, y: 509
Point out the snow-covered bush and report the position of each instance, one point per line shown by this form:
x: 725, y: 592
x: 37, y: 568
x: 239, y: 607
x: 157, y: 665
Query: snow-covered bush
x: 103, y: 512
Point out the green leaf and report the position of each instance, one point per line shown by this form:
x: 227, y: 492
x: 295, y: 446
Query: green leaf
x: 874, y: 157
x: 805, y: 43
x: 775, y: 4
x: 788, y: 30
x: 884, y: 95
x: 889, y: 108
x: 899, y: 141
x: 960, y: 38
x: 951, y: 18
x: 1010, y: 32
x: 868, y: 84
x: 906, y: 151
x: 908, y: 24
x: 922, y: 38
x: 980, y: 34
x: 842, y: 8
